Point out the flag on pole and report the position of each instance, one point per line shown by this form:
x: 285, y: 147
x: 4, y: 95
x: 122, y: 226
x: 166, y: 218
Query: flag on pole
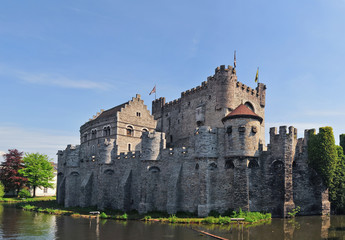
x: 257, y: 75
x: 153, y: 90
x: 235, y: 59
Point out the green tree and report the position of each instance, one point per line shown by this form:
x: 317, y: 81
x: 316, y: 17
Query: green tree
x: 342, y: 142
x: 322, y: 153
x: 337, y: 188
x: 39, y: 171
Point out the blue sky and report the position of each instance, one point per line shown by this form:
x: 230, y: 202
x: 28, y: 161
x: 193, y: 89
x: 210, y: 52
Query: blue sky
x: 62, y: 61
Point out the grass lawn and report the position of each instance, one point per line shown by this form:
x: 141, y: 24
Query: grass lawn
x: 18, y: 200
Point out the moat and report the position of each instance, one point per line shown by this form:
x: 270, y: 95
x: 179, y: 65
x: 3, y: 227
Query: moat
x: 19, y: 224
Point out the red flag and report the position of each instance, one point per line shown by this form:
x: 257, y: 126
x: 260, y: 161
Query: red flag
x: 153, y: 90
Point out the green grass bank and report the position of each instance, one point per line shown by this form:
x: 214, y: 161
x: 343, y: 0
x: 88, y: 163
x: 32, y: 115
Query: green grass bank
x: 51, y: 207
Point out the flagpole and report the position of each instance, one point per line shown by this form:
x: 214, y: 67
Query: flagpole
x: 258, y: 75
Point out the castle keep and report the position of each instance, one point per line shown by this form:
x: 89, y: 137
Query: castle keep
x: 204, y: 151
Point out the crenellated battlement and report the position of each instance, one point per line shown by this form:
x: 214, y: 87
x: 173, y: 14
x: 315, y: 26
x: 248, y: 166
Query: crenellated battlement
x: 203, y: 86
x: 128, y: 155
x: 247, y: 89
x: 283, y: 133
x: 222, y: 68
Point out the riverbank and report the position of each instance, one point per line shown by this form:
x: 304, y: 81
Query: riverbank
x: 25, y: 200
x: 52, y: 207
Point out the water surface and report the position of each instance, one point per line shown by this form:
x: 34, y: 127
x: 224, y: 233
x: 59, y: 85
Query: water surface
x: 19, y: 224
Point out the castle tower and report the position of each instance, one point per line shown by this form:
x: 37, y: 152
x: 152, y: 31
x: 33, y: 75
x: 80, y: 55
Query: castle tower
x: 151, y: 145
x: 242, y: 137
x: 225, y: 87
x: 242, y: 132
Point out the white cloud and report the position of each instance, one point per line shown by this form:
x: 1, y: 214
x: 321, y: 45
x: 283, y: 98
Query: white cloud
x: 62, y: 81
x: 35, y: 140
x: 54, y: 79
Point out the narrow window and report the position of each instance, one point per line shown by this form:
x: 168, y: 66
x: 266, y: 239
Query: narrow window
x: 106, y: 131
x: 93, y: 133
x: 138, y: 114
x: 129, y: 147
x: 129, y: 131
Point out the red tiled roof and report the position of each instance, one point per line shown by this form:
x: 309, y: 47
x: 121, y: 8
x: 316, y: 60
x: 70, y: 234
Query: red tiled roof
x: 242, y: 111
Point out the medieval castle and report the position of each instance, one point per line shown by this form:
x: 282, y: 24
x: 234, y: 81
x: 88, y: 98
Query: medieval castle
x: 204, y: 151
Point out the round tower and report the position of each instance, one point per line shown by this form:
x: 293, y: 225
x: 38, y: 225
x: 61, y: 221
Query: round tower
x: 242, y: 132
x: 225, y: 87
x: 151, y: 145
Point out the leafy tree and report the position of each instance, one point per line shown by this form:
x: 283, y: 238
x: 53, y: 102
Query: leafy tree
x: 10, y: 174
x: 38, y: 170
x: 322, y: 153
x: 337, y: 188
x: 342, y: 142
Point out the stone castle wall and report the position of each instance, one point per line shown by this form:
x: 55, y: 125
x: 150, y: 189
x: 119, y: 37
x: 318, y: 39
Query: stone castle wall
x: 206, y: 165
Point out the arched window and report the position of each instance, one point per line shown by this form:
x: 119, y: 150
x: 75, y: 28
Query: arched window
x: 253, y: 164
x: 229, y: 164
x: 278, y: 165
x: 106, y: 131
x: 85, y: 137
x: 129, y: 131
x: 93, y: 133
x: 212, y: 166
x: 129, y: 147
x: 250, y: 106
x: 144, y: 130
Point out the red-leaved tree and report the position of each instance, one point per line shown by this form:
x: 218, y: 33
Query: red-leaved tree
x: 9, y: 175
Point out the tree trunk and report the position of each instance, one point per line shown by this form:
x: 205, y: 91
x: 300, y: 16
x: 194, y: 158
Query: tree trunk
x: 34, y: 191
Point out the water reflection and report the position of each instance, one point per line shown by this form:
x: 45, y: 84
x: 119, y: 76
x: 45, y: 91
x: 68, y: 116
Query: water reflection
x: 18, y: 224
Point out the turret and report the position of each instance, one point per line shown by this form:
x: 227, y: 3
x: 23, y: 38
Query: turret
x: 242, y: 132
x: 151, y: 145
x: 225, y: 82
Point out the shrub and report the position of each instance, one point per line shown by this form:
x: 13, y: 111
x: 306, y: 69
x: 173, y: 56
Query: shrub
x: 294, y: 212
x: 123, y: 217
x: 103, y: 215
x: 24, y: 193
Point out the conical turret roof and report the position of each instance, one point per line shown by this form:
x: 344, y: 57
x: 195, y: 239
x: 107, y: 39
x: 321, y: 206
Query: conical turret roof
x: 242, y: 111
